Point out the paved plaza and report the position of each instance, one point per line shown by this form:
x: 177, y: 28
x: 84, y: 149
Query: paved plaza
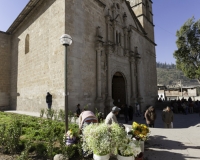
x: 180, y: 143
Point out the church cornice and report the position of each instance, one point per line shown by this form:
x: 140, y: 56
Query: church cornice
x: 25, y: 12
x: 146, y: 18
x: 150, y: 40
x: 4, y: 32
x: 101, y: 3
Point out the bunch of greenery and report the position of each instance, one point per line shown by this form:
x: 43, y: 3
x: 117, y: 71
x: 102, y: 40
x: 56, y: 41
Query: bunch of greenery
x: 118, y: 136
x: 61, y: 115
x: 129, y: 147
x: 102, y: 139
x: 42, y: 111
x: 16, y: 131
x: 25, y: 154
x: 10, y: 135
x: 97, y: 139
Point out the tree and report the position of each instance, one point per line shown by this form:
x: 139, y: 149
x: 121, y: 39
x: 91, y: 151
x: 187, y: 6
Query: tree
x: 188, y: 53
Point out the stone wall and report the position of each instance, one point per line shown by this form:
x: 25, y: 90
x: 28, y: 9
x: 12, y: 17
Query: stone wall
x: 85, y: 17
x: 4, y: 69
x: 41, y: 69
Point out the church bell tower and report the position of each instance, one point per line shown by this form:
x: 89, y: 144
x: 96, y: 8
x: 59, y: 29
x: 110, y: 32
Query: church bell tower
x: 143, y: 11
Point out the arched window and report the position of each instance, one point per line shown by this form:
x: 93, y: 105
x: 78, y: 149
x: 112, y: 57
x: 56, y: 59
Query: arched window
x: 147, y: 10
x: 27, y: 44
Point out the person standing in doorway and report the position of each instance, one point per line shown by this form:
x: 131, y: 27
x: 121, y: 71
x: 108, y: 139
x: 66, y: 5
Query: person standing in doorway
x: 130, y: 113
x: 126, y: 113
x: 150, y: 116
x: 137, y: 110
x: 49, y: 100
x: 167, y: 117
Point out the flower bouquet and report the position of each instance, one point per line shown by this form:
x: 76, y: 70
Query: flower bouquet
x: 102, y: 139
x: 71, y: 136
x: 129, y: 148
x: 118, y: 137
x: 140, y: 131
x: 97, y: 139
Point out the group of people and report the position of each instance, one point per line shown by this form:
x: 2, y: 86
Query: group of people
x: 128, y: 112
x: 167, y: 117
x: 185, y: 106
x: 87, y: 117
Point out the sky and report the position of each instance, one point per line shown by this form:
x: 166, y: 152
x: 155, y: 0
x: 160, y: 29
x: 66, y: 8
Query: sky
x: 169, y: 16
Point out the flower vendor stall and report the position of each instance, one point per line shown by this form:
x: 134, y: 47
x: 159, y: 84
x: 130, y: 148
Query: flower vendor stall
x: 103, y: 140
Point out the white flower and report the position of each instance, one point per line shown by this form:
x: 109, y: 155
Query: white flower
x: 128, y: 130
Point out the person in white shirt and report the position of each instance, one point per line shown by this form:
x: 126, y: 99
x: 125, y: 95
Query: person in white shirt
x: 111, y: 117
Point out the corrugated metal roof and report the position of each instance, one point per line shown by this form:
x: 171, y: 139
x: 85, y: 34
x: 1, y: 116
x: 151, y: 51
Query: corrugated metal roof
x: 28, y: 8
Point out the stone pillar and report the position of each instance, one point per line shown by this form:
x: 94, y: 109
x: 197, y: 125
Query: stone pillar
x: 130, y: 38
x: 125, y: 39
x: 98, y: 52
x: 109, y: 100
x: 99, y: 49
x: 114, y: 32
x: 108, y: 39
x: 132, y: 63
x: 137, y: 60
x: 109, y: 78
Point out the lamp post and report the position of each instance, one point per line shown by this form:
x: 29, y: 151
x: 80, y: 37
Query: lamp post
x: 66, y: 40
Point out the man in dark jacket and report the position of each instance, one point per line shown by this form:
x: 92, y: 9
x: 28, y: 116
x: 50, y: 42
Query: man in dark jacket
x: 126, y: 113
x: 78, y: 110
x: 130, y: 112
x: 167, y: 117
x: 49, y: 100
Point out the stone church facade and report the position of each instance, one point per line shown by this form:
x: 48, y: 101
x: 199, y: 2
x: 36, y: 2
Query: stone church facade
x: 111, y: 61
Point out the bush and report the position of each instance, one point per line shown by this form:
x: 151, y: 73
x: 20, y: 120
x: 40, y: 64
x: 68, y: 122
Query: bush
x: 16, y: 131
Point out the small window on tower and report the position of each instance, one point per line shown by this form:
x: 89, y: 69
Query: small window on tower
x: 27, y: 44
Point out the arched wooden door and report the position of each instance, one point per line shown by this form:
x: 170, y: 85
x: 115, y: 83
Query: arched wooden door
x: 118, y: 89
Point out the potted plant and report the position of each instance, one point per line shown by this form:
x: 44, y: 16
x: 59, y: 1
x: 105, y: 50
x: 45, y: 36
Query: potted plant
x: 118, y: 136
x: 140, y: 133
x: 97, y: 140
x: 128, y: 150
x: 102, y: 139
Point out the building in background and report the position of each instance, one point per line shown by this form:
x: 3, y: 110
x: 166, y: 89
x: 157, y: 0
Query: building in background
x: 111, y: 61
x: 175, y: 92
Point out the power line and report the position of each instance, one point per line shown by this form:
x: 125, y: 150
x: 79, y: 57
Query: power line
x: 165, y: 30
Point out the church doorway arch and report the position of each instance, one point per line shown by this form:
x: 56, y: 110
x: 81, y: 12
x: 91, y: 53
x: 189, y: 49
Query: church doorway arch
x: 118, y: 89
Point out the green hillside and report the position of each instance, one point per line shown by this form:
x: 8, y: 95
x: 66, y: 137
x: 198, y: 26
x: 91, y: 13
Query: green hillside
x: 170, y: 75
